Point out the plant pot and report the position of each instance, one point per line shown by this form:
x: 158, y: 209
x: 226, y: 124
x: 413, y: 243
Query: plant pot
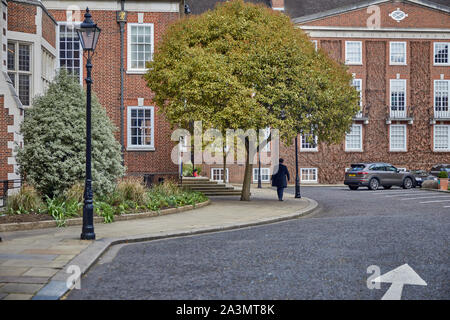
x: 443, y: 184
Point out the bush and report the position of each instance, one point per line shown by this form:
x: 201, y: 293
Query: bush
x: 443, y: 175
x: 61, y: 210
x: 54, y: 131
x: 131, y: 189
x: 75, y: 193
x: 27, y: 200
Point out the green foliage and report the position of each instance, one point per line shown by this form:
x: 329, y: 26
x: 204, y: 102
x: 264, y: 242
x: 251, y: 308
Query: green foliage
x: 131, y: 189
x: 54, y: 130
x: 244, y: 66
x: 104, y: 210
x: 187, y: 170
x: 61, y: 210
x: 27, y: 200
x: 443, y: 174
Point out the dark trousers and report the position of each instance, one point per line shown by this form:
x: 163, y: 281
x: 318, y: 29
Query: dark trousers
x: 280, y: 193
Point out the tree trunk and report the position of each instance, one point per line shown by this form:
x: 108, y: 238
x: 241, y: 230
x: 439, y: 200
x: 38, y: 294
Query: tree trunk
x: 245, y: 195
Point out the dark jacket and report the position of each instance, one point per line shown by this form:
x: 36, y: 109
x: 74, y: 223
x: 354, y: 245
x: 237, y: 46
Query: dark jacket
x: 279, y: 179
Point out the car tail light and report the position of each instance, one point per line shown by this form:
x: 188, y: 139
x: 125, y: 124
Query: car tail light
x: 361, y: 173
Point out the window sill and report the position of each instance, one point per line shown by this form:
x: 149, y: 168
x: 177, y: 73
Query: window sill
x: 445, y: 150
x: 306, y: 150
x: 441, y: 64
x: 398, y: 150
x: 353, y: 63
x: 354, y: 150
x: 141, y: 149
x: 397, y: 64
x: 136, y: 71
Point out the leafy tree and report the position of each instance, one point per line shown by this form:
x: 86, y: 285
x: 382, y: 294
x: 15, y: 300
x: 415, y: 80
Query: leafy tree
x: 245, y: 66
x: 54, y: 131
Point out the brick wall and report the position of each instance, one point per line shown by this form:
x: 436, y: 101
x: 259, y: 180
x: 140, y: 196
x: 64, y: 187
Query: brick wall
x: 106, y: 76
x: 21, y: 17
x: 5, y: 121
x: 48, y: 29
x: 417, y: 16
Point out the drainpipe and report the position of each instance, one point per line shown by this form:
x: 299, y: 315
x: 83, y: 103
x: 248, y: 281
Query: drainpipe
x: 122, y: 19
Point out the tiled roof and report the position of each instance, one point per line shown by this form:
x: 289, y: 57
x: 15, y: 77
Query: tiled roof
x: 200, y: 6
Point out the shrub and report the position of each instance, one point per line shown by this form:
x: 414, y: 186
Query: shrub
x: 54, y: 131
x: 60, y: 210
x: 443, y: 175
x: 104, y: 210
x: 27, y: 200
x: 131, y: 189
x: 75, y: 192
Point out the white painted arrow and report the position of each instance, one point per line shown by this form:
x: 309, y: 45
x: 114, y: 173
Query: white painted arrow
x: 399, y: 277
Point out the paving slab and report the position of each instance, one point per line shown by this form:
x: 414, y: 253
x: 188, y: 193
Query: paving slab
x: 18, y: 296
x: 40, y: 272
x: 23, y: 279
x: 21, y: 288
x: 12, y: 271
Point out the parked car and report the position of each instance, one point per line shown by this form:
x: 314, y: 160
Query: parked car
x: 438, y: 168
x: 374, y: 175
x: 420, y: 176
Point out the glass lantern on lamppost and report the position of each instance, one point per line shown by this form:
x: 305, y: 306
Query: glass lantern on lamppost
x: 88, y: 33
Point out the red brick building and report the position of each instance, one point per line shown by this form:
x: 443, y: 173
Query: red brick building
x: 46, y: 29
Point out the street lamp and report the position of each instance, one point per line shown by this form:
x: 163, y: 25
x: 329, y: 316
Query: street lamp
x: 88, y: 33
x: 297, y: 178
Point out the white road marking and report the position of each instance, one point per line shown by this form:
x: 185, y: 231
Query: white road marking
x: 406, y: 194
x: 440, y: 196
x: 446, y: 206
x: 435, y: 201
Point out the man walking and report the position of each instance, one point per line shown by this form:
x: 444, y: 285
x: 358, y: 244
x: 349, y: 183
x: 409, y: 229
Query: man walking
x: 279, y: 179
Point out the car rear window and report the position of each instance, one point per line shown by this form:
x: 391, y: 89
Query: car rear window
x: 357, y: 167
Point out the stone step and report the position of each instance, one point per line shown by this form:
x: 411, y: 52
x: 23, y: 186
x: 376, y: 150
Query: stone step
x: 229, y: 193
x: 205, y: 186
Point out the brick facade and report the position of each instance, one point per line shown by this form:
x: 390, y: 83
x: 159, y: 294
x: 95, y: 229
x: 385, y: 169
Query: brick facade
x: 5, y: 120
x: 48, y: 29
x: 21, y: 17
x: 106, y: 85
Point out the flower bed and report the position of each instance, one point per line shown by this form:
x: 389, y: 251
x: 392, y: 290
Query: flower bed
x: 129, y: 196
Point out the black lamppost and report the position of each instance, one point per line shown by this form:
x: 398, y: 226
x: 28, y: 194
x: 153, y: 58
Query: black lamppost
x: 88, y: 33
x: 297, y: 178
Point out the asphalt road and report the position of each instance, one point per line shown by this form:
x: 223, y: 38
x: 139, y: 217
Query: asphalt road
x: 325, y: 256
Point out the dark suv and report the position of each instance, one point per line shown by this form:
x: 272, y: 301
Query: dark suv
x: 373, y: 175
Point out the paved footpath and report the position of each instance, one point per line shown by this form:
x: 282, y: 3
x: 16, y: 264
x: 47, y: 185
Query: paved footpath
x: 35, y: 264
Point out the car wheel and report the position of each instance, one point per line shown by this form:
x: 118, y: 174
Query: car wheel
x: 407, y: 183
x: 387, y: 187
x: 374, y: 184
x: 353, y: 187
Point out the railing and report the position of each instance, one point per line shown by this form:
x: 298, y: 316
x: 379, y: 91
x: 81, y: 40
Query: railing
x: 398, y: 112
x: 5, y: 186
x: 442, y: 113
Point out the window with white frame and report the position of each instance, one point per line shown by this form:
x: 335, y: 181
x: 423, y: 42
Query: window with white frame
x: 308, y: 142
x: 397, y: 134
x: 357, y: 84
x: 20, y: 69
x: 140, y: 46
x: 48, y: 67
x: 398, y: 95
x: 441, y: 138
x: 217, y: 174
x: 397, y: 53
x: 308, y: 174
x: 141, y: 123
x: 441, y: 53
x: 353, y: 139
x: 353, y: 52
x: 265, y: 174
x: 70, y: 51
x: 441, y: 93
